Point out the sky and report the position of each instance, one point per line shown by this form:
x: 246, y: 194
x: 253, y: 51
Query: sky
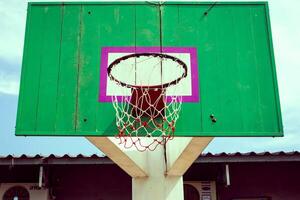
x: 285, y: 18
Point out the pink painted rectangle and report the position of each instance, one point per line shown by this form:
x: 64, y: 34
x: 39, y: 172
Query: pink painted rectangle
x: 103, y: 97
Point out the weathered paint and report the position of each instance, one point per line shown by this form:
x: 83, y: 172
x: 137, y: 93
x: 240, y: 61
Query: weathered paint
x: 61, y: 65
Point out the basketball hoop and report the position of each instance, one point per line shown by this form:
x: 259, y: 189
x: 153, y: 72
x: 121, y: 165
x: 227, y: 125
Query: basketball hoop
x: 147, y: 117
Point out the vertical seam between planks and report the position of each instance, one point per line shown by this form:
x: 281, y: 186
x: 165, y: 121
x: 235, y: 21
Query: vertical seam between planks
x: 95, y: 126
x: 78, y: 68
x: 217, y: 107
x: 160, y: 39
x: 59, y: 63
x: 161, y: 77
x: 40, y: 69
x: 199, y: 76
x: 256, y: 65
x: 135, y: 43
x: 237, y: 63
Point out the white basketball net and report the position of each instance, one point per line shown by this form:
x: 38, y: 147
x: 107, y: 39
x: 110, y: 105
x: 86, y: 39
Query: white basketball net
x: 147, y: 117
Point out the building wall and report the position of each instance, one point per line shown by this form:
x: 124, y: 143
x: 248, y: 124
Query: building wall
x: 280, y: 181
x: 101, y: 182
x: 109, y: 182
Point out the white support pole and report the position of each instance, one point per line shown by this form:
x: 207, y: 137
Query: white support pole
x: 182, y: 152
x: 157, y: 185
x: 122, y: 159
x: 153, y: 175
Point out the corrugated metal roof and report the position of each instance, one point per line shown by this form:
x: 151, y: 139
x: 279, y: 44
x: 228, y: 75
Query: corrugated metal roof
x: 280, y: 156
x: 52, y: 156
x: 202, y: 156
x: 206, y: 158
x: 52, y: 159
x: 252, y: 153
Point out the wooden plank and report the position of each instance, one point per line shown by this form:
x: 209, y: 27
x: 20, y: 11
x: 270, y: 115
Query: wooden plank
x: 267, y: 98
x: 219, y: 87
x: 247, y: 65
x: 88, y: 72
x: 118, y: 156
x: 183, y: 26
x: 147, y: 30
x: 29, y: 87
x: 225, y: 105
x: 112, y: 32
x: 68, y: 70
x: 48, y: 83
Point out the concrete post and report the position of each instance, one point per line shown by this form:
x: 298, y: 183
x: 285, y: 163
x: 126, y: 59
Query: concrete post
x: 157, y: 185
x: 153, y: 175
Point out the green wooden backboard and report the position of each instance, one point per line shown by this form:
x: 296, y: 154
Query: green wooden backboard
x: 228, y: 47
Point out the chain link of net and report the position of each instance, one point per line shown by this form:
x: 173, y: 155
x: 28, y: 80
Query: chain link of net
x: 145, y: 121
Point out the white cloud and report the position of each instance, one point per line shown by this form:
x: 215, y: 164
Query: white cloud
x: 287, y: 52
x: 12, y: 23
x: 9, y: 84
